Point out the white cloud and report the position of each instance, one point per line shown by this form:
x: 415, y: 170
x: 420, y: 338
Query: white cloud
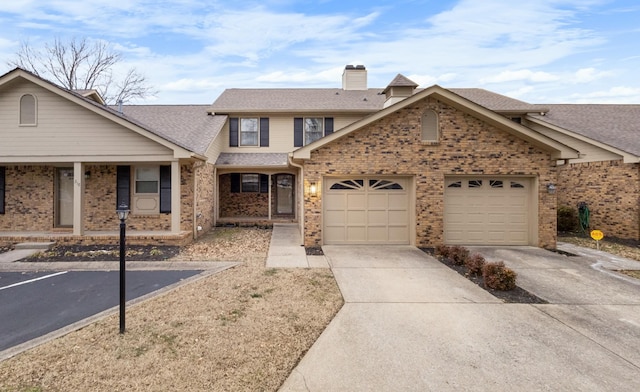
x: 586, y: 75
x: 523, y: 74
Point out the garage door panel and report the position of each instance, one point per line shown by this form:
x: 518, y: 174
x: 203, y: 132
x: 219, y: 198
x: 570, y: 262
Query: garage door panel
x: 371, y: 211
x: 484, y: 210
x: 356, y: 218
x: 356, y: 234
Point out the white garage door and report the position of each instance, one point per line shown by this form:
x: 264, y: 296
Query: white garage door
x: 366, y: 211
x: 492, y: 211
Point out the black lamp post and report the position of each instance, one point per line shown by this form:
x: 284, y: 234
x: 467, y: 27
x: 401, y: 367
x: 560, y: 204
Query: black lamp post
x: 123, y: 213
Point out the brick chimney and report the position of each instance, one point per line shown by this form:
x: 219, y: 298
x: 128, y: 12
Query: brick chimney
x: 354, y: 77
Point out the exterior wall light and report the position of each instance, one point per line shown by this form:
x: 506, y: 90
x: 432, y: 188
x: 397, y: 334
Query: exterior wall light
x: 87, y: 175
x: 313, y: 189
x: 551, y: 188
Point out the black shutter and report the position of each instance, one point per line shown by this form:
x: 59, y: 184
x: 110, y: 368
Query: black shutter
x: 264, y: 132
x: 123, y: 186
x: 233, y: 132
x: 264, y: 183
x: 235, y: 182
x: 328, y: 126
x: 165, y: 189
x: 2, y: 185
x: 298, y: 133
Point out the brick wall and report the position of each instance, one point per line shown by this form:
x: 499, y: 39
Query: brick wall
x: 611, y: 189
x: 28, y: 198
x: 393, y: 146
x: 205, y: 207
x: 249, y: 204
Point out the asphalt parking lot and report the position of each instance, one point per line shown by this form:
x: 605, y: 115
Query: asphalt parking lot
x: 37, y: 303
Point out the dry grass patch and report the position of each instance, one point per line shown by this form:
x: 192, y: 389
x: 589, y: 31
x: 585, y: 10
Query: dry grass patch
x: 241, y: 330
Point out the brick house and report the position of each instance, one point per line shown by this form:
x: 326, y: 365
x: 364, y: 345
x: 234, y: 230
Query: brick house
x: 67, y: 161
x: 350, y: 165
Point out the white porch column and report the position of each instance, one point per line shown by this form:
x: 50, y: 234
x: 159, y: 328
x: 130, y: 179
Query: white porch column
x: 78, y: 198
x: 175, y: 197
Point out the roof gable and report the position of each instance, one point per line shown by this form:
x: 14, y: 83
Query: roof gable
x: 558, y: 150
x: 179, y: 150
x: 616, y: 126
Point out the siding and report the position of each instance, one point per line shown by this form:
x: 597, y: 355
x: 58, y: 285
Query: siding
x: 65, y: 129
x: 280, y: 133
x: 588, y: 151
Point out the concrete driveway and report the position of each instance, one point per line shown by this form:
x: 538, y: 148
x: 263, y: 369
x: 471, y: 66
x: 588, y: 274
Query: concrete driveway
x: 411, y: 324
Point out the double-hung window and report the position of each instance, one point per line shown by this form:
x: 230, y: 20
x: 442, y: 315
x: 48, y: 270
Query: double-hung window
x: 249, y: 132
x: 309, y: 129
x: 313, y: 129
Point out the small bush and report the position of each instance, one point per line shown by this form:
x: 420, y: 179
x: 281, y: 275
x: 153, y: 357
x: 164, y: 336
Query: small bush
x: 459, y: 255
x: 567, y: 219
x: 443, y: 250
x: 474, y: 264
x: 498, y: 277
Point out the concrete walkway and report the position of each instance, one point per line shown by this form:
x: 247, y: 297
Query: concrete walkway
x: 286, y: 250
x: 410, y: 323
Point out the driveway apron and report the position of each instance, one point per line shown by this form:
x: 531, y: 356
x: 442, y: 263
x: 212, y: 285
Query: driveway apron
x: 410, y: 323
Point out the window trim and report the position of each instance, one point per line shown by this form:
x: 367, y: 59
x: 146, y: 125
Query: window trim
x: 35, y: 111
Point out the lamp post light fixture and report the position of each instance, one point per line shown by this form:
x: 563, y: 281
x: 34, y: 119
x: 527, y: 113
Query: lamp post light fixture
x: 123, y: 213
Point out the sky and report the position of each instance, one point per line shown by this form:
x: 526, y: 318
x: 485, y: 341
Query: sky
x: 538, y: 51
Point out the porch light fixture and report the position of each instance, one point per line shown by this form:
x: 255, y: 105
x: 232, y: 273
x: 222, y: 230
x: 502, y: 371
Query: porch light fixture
x: 313, y: 189
x: 87, y: 175
x: 551, y: 188
x: 123, y: 214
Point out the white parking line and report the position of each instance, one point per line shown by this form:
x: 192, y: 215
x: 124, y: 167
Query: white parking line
x: 33, y: 280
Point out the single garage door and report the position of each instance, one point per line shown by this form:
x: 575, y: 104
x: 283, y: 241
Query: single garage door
x: 491, y: 211
x: 366, y: 211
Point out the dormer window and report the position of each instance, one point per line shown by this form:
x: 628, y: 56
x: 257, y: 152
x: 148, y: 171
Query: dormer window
x: 28, y: 110
x: 430, y: 127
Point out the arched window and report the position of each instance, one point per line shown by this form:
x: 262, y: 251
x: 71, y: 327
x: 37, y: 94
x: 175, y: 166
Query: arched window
x: 430, y: 126
x: 28, y: 110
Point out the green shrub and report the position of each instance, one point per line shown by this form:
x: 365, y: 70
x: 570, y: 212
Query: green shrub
x: 458, y: 255
x: 567, y: 219
x: 498, y: 277
x: 474, y: 264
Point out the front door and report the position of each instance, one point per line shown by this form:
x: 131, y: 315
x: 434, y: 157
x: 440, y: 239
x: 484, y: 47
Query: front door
x: 284, y: 194
x: 64, y: 197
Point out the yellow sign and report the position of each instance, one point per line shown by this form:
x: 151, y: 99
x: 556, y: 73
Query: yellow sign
x: 597, y: 235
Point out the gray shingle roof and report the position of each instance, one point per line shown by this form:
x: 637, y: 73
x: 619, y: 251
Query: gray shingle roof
x: 497, y: 102
x: 188, y: 126
x: 298, y: 100
x: 402, y: 81
x: 252, y: 159
x: 614, y: 125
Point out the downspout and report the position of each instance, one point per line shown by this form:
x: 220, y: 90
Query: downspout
x: 301, y: 216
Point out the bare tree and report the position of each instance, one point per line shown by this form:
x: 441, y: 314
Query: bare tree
x: 80, y: 64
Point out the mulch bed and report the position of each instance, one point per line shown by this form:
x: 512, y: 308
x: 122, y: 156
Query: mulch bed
x: 515, y: 296
x: 104, y: 253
